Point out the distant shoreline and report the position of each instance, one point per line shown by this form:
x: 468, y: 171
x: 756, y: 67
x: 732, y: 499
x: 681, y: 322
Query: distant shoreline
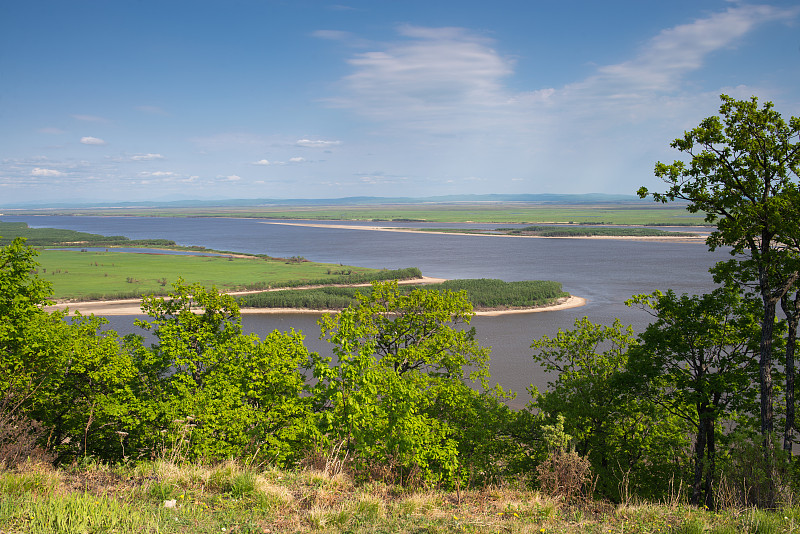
x: 680, y: 238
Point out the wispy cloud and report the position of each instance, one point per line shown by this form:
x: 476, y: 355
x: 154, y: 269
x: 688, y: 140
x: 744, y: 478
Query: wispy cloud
x: 427, y: 78
x: 50, y: 173
x: 319, y: 143
x: 146, y: 157
x: 92, y: 141
x: 448, y: 79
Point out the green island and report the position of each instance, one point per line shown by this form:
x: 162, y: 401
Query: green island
x: 566, y: 231
x: 483, y: 294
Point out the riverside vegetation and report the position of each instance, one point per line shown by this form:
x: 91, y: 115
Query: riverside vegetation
x: 207, y: 428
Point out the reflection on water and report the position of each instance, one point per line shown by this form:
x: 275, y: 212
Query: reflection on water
x: 604, y: 271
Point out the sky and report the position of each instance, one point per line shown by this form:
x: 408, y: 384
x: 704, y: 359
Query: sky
x: 134, y: 100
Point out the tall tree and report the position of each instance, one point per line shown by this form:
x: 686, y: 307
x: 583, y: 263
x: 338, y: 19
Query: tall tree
x: 627, y: 438
x: 404, y: 364
x: 693, y: 360
x: 743, y: 175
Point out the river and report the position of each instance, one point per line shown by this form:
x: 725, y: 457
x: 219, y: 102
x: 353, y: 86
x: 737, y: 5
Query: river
x: 604, y: 271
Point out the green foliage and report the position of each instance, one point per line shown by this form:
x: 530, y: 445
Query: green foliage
x: 489, y: 293
x: 695, y: 360
x: 743, y: 173
x: 403, y: 369
x: 231, y: 395
x: 67, y: 376
x: 627, y: 439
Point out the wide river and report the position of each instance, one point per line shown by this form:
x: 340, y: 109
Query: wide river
x: 604, y: 271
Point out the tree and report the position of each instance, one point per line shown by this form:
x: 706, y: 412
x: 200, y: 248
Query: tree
x: 618, y: 431
x: 63, y: 373
x: 403, y: 366
x: 743, y: 175
x: 231, y: 394
x: 694, y: 360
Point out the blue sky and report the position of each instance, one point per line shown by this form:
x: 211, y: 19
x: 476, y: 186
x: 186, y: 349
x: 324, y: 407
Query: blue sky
x: 172, y: 99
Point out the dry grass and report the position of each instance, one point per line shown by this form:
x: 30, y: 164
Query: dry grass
x: 37, y: 498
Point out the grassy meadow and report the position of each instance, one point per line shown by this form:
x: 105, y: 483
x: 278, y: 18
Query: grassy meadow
x: 96, y: 275
x: 167, y: 497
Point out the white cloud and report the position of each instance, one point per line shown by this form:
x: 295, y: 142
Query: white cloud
x: 146, y: 157
x: 427, y: 79
x: 261, y: 162
x: 296, y: 160
x: 232, y: 178
x: 319, y: 143
x: 92, y: 141
x: 663, y: 63
x: 38, y: 171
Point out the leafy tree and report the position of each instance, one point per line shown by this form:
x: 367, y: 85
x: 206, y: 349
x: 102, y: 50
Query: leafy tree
x: 62, y: 373
x: 694, y: 361
x: 398, y: 396
x: 230, y: 394
x: 743, y: 174
x: 624, y: 437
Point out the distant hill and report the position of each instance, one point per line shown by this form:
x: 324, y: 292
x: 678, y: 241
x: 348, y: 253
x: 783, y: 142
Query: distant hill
x: 546, y: 198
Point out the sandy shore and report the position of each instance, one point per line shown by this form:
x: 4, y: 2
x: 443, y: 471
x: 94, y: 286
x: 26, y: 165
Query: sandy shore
x: 132, y: 306
x: 696, y: 239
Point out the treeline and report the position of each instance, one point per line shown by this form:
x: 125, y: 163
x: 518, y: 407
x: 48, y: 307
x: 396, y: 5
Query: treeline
x: 482, y: 294
x: 570, y: 231
x: 352, y: 277
x: 50, y: 237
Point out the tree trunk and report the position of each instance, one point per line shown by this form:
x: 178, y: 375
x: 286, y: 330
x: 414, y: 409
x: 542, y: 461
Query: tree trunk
x: 765, y: 379
x: 699, y: 456
x: 711, y: 464
x: 790, y: 309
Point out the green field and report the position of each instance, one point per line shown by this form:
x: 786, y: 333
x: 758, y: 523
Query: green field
x: 44, y: 237
x: 490, y: 212
x: 98, y: 275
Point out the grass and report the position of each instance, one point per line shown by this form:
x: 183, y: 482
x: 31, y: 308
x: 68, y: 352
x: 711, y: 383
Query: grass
x: 168, y: 498
x: 500, y: 212
x: 40, y: 237
x: 95, y: 275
